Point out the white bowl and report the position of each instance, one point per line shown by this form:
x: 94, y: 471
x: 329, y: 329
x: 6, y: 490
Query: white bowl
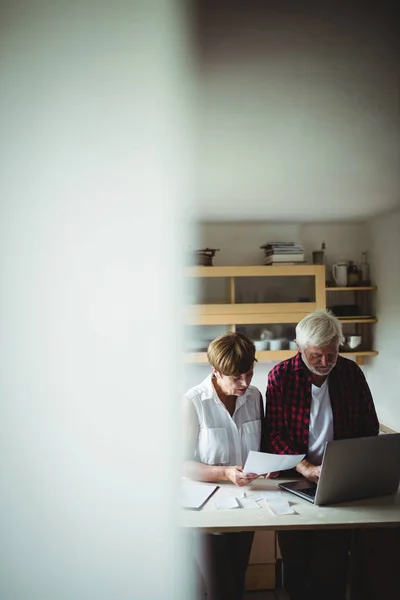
x: 261, y: 344
x: 275, y: 344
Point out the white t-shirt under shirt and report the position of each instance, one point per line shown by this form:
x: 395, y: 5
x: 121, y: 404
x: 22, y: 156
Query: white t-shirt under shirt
x: 321, y: 422
x: 222, y: 439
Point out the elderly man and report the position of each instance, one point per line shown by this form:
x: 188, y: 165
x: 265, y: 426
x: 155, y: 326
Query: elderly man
x: 313, y: 398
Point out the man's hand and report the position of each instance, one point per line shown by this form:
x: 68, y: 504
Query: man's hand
x: 309, y: 471
x: 236, y: 475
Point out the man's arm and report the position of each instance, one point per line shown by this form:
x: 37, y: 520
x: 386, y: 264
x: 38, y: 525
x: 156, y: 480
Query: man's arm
x: 308, y: 470
x: 368, y: 423
x: 276, y: 436
x: 277, y: 439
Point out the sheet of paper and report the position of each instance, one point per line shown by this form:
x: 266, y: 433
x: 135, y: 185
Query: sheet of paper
x: 194, y: 495
x: 225, y: 502
x: 264, y: 495
x: 262, y: 462
x: 280, y: 507
x: 248, y: 504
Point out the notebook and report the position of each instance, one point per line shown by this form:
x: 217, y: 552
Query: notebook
x: 353, y: 469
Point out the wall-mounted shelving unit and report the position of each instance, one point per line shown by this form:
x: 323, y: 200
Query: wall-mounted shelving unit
x: 234, y: 311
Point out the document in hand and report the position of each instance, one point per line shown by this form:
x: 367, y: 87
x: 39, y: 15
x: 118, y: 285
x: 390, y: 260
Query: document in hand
x: 262, y: 462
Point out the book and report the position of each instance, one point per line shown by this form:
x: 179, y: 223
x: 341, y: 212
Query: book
x: 279, y: 258
x: 295, y: 250
x: 288, y: 262
x: 282, y: 246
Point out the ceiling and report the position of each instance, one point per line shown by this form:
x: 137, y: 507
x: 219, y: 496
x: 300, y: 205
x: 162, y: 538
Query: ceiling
x: 297, y: 113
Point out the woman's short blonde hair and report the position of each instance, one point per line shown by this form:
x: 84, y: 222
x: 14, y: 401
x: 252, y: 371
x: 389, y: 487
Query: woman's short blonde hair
x: 231, y: 353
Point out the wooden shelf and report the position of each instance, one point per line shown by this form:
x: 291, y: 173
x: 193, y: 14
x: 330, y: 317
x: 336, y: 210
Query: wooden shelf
x: 246, y: 314
x: 360, y: 353
x: 251, y: 308
x: 231, y: 313
x: 361, y: 288
x: 359, y: 320
x: 276, y: 355
x: 256, y: 271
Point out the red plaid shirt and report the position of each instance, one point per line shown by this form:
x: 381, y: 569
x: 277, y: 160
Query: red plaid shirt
x: 288, y: 405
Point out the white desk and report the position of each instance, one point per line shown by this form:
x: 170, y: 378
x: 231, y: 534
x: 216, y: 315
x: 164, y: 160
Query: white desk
x: 383, y: 511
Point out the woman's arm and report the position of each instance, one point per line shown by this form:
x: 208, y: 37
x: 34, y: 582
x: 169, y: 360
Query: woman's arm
x: 200, y: 471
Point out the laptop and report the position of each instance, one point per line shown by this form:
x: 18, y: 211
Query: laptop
x: 353, y: 469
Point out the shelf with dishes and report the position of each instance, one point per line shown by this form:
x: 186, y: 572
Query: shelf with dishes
x: 353, y: 305
x: 255, y: 299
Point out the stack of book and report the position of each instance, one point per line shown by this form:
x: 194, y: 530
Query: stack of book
x: 283, y: 253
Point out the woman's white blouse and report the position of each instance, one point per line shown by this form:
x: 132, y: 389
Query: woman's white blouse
x: 222, y: 439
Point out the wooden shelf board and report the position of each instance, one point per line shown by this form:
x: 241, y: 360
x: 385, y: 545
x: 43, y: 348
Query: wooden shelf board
x: 196, y: 357
x: 359, y: 320
x: 252, y: 308
x: 360, y: 353
x: 272, y: 355
x: 361, y: 288
x: 255, y: 271
x: 245, y: 319
x: 258, y: 318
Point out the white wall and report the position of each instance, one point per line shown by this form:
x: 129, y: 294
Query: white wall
x: 383, y: 371
x: 297, y: 110
x: 240, y: 242
x: 93, y: 185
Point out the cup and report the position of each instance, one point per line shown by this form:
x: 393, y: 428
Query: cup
x: 353, y: 341
x: 339, y: 274
x: 275, y: 344
x: 261, y: 344
x: 292, y: 345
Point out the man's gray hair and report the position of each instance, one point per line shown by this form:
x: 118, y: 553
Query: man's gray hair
x: 319, y: 328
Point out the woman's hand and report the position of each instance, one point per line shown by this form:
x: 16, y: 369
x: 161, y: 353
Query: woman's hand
x: 236, y: 475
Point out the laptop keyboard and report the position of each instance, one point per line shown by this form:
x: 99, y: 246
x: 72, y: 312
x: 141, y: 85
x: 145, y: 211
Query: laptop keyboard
x: 310, y: 491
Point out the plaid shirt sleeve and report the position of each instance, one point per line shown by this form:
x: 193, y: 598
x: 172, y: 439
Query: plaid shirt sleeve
x: 353, y: 409
x: 368, y: 423
x: 277, y: 437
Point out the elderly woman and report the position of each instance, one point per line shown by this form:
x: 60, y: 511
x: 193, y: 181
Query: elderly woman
x: 223, y: 420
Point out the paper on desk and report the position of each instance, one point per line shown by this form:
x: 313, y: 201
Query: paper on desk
x: 257, y: 495
x: 274, y: 500
x: 247, y: 504
x: 225, y: 502
x: 280, y: 507
x: 262, y: 462
x: 194, y: 495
